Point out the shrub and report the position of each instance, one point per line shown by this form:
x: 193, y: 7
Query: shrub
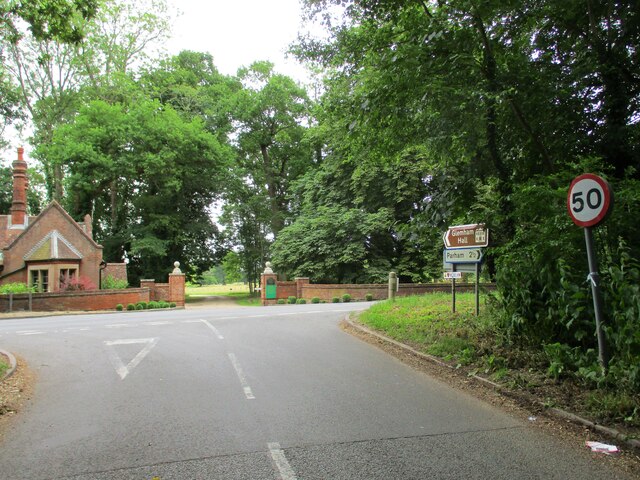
x: 346, y: 298
x: 152, y: 305
x: 111, y: 283
x: 139, y: 306
x: 119, y: 307
x: 172, y: 305
x: 16, y: 287
x: 368, y: 297
x: 315, y: 300
x: 78, y: 284
x: 131, y: 306
x: 281, y: 301
x: 335, y: 300
x: 292, y: 300
x: 164, y: 305
x: 301, y: 301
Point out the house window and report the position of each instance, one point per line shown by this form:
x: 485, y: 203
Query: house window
x: 40, y: 280
x: 66, y: 275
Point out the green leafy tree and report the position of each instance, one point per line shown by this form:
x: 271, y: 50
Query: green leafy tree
x: 149, y: 177
x: 270, y: 111
x: 232, y: 266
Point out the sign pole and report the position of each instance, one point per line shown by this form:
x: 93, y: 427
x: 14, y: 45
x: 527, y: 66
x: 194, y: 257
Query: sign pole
x: 594, y: 279
x: 589, y: 202
x: 453, y: 291
x: 477, y: 289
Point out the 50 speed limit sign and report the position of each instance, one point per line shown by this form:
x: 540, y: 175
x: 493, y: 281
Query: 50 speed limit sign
x: 589, y: 200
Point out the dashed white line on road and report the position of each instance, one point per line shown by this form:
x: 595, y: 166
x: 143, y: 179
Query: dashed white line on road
x: 281, y: 462
x: 213, y: 329
x: 243, y: 381
x: 30, y: 332
x: 164, y: 322
x: 118, y: 325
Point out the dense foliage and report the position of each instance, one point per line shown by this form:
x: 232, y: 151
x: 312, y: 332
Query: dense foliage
x: 493, y: 107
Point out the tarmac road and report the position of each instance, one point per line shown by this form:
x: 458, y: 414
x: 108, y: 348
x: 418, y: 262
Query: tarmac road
x: 278, y: 393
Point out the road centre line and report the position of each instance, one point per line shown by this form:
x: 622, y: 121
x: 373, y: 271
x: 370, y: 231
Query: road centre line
x: 213, y: 329
x: 281, y: 462
x: 163, y: 322
x: 243, y: 381
x: 30, y: 332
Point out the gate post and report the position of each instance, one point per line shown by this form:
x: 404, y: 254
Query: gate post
x: 268, y: 286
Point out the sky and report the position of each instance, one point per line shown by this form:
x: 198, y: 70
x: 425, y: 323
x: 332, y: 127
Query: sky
x: 238, y: 32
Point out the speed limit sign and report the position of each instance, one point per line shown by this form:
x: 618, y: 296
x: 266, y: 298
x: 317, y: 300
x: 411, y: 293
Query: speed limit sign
x: 589, y: 200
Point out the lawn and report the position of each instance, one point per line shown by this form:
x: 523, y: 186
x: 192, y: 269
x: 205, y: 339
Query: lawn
x: 233, y: 289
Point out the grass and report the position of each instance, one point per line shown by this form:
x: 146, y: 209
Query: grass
x: 233, y: 289
x: 249, y: 300
x: 4, y: 366
x: 426, y: 321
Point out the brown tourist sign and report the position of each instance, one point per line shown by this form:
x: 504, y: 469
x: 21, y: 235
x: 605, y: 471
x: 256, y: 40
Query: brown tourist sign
x: 466, y: 236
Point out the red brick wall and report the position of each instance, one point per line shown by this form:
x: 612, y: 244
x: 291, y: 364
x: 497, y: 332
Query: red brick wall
x: 176, y: 291
x: 72, y: 301
x: 379, y: 291
x: 116, y: 270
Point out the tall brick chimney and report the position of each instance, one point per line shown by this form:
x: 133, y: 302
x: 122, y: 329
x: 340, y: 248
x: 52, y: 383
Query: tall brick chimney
x: 19, y: 204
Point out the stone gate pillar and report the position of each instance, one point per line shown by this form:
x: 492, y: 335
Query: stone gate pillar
x: 177, y: 286
x: 268, y: 286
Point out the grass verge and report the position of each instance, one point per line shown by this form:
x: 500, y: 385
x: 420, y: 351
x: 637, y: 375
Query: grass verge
x: 4, y: 366
x: 476, y: 343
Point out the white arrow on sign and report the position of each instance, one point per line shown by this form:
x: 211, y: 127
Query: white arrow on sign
x: 463, y: 255
x: 122, y: 369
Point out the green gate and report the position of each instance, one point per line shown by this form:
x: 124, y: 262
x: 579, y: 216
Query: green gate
x: 271, y: 289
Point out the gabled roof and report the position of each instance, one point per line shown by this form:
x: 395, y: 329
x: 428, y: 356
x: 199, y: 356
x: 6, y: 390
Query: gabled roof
x: 53, y: 247
x: 54, y: 206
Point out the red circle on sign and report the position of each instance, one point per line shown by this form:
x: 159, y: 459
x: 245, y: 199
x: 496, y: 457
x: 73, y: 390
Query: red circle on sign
x: 589, y: 200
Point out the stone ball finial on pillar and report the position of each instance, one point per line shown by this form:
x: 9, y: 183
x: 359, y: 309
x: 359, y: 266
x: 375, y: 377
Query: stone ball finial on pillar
x: 176, y: 270
x: 268, y: 268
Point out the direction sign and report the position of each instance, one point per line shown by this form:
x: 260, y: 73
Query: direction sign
x: 463, y: 255
x: 450, y: 275
x: 466, y: 236
x: 589, y: 200
x: 460, y: 267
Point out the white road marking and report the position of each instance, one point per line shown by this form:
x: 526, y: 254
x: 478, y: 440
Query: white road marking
x: 118, y: 325
x: 281, y: 462
x: 164, y: 322
x: 122, y: 369
x: 243, y: 381
x: 213, y: 329
x: 30, y: 332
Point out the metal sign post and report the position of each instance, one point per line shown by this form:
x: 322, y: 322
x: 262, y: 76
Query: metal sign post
x: 589, y: 202
x: 458, y: 258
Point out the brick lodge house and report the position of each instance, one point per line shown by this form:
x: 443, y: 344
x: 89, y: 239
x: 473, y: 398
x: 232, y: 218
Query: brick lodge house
x: 48, y: 250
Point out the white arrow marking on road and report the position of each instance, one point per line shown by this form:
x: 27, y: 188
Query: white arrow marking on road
x: 122, y: 369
